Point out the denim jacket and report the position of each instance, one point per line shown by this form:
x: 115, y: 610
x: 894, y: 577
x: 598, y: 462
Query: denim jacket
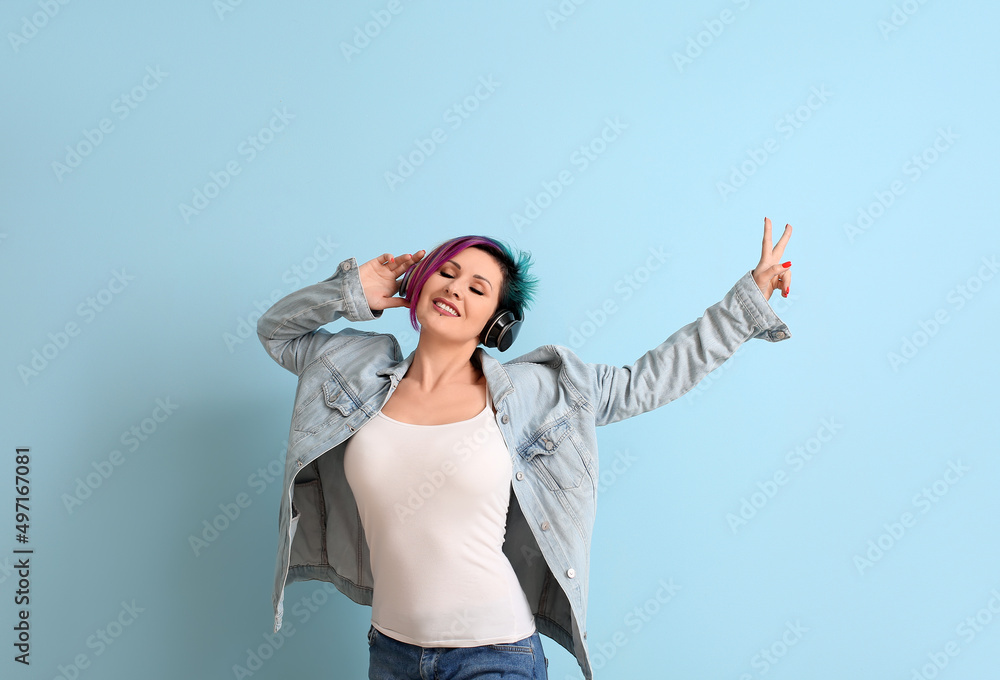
x: 548, y: 405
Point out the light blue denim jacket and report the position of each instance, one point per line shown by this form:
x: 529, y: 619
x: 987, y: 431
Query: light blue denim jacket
x: 548, y: 405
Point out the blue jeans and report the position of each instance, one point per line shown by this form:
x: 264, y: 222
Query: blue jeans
x: 391, y: 659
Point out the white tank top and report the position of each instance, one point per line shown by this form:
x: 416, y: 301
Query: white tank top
x: 433, y: 501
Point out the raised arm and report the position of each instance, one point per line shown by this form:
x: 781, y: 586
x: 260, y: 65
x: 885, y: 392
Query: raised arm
x: 669, y: 370
x: 682, y: 360
x: 290, y: 330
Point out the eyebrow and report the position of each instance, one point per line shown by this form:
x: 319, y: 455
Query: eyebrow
x: 474, y: 275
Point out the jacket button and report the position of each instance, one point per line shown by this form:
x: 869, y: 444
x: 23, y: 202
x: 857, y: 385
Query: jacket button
x: 346, y: 265
x: 571, y: 572
x: 779, y: 334
x: 299, y: 463
x: 520, y: 475
x: 505, y: 418
x: 548, y: 445
x: 545, y: 526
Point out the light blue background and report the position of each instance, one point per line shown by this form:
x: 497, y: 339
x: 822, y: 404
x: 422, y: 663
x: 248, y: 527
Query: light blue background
x: 174, y: 331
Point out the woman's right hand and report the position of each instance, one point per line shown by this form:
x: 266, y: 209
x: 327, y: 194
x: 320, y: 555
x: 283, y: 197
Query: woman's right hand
x: 379, y: 281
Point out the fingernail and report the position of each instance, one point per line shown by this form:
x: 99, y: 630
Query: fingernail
x: 787, y: 264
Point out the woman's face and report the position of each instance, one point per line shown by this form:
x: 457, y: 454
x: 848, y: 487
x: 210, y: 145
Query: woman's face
x: 470, y: 283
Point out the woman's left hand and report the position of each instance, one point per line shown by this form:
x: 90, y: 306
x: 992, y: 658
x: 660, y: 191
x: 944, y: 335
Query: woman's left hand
x: 770, y: 273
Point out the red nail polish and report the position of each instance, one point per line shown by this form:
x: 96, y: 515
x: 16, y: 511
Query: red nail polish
x: 787, y: 264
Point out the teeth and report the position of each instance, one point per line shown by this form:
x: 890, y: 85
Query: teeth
x: 446, y: 308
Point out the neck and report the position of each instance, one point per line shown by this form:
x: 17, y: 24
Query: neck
x: 436, y: 366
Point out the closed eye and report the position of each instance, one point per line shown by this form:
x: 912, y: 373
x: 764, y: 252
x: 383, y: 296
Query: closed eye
x: 474, y: 290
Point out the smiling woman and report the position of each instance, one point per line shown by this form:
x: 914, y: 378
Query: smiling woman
x: 469, y: 290
x: 464, y: 487
x: 507, y: 286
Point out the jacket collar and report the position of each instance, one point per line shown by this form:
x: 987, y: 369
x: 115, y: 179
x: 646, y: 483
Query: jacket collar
x: 497, y: 380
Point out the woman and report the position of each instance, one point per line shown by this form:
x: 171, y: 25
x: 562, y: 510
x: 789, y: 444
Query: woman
x: 469, y: 492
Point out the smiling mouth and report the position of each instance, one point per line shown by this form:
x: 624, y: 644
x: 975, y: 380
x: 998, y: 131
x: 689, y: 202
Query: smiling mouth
x: 444, y: 308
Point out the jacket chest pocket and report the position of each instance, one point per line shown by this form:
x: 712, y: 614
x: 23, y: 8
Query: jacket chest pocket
x: 555, y: 456
x: 318, y: 410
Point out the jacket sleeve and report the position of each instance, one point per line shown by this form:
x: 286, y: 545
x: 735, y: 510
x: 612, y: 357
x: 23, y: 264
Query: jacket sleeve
x: 669, y: 370
x: 290, y: 329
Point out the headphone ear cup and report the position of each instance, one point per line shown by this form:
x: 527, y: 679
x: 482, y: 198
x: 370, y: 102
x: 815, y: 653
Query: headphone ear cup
x: 403, y: 285
x: 501, y: 330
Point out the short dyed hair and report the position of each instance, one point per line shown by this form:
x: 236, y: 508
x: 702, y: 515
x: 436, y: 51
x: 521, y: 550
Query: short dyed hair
x: 517, y: 291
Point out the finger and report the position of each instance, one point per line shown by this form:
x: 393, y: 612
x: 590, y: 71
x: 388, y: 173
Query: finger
x: 765, y: 249
x: 776, y: 274
x: 384, y: 264
x: 779, y: 248
x: 393, y: 265
x: 782, y: 279
x: 394, y: 302
x: 786, y: 280
x: 407, y: 261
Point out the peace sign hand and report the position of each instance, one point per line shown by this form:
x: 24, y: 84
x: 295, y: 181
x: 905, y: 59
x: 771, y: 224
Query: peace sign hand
x: 770, y: 274
x: 378, y: 279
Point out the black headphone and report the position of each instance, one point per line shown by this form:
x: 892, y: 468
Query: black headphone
x: 500, y: 331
